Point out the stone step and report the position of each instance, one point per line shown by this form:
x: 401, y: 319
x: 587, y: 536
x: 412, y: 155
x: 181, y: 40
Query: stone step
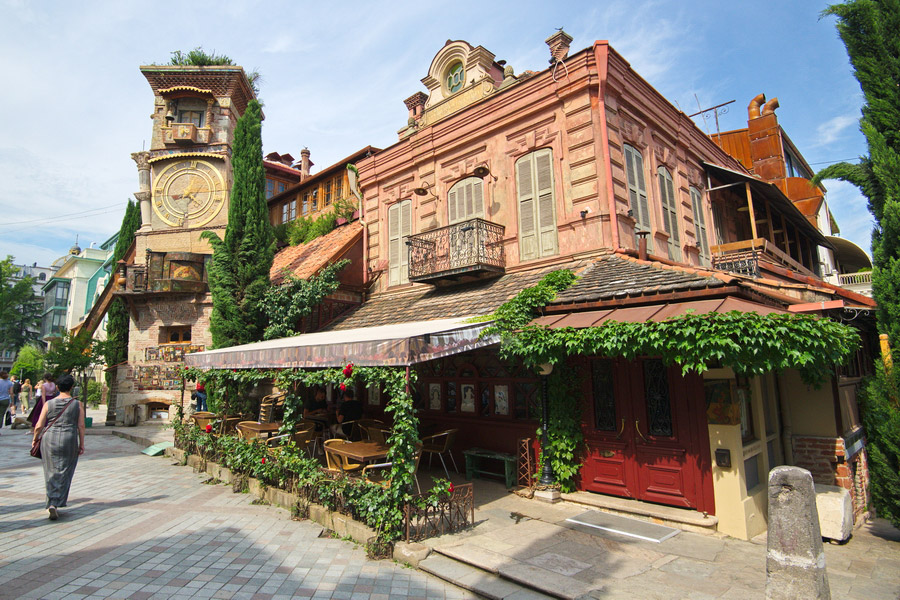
x: 682, y: 518
x: 477, y: 580
x: 543, y: 582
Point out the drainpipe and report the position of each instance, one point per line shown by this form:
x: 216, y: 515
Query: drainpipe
x: 753, y: 107
x: 642, y: 244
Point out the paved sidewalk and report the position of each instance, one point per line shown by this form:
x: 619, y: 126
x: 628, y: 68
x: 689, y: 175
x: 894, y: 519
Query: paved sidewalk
x: 528, y: 542
x: 138, y: 527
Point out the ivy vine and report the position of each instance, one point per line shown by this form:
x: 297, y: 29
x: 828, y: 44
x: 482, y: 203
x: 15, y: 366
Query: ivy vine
x: 295, y: 298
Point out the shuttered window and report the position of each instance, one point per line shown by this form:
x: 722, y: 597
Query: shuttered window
x: 670, y: 212
x: 537, y: 205
x: 637, y: 190
x: 399, y: 228
x: 700, y: 225
x: 466, y: 199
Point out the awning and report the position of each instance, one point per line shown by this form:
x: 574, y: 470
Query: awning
x: 653, y: 312
x: 401, y: 344
x: 774, y: 195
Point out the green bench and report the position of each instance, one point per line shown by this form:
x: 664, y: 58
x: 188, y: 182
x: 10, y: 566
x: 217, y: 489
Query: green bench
x: 474, y: 457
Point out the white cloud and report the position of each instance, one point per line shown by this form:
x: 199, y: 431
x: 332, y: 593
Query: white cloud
x: 850, y: 210
x: 832, y: 130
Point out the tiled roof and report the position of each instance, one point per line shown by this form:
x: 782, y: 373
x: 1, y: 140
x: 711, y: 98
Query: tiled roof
x: 617, y: 276
x: 423, y: 304
x: 307, y: 259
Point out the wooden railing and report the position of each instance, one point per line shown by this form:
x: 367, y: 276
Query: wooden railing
x: 744, y: 257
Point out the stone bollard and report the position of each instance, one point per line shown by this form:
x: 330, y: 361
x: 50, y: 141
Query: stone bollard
x: 795, y: 564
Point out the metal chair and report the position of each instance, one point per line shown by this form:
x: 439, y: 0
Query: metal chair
x: 378, y: 435
x: 338, y: 462
x: 301, y: 438
x: 362, y: 424
x: 440, y: 444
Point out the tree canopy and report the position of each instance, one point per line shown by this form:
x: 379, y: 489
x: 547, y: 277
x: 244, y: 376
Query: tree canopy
x: 19, y: 308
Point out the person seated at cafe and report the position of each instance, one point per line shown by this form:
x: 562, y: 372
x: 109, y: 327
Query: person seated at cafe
x: 350, y: 410
x: 316, y: 408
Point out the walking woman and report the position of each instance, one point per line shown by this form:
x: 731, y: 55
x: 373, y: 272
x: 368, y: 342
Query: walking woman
x: 60, y: 432
x: 47, y: 390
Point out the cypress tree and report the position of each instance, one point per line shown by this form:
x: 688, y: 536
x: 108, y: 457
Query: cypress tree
x: 870, y: 29
x: 239, y: 270
x: 116, y: 346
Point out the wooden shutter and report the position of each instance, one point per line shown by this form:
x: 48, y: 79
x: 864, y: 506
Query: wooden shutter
x: 466, y: 200
x: 394, y: 245
x: 546, y: 204
x: 700, y: 225
x: 528, y: 244
x: 405, y: 231
x: 637, y: 190
x: 670, y: 212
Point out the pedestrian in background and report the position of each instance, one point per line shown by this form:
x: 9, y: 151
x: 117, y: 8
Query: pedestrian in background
x: 15, y: 403
x: 48, y: 391
x: 60, y: 432
x: 25, y: 394
x: 6, y: 387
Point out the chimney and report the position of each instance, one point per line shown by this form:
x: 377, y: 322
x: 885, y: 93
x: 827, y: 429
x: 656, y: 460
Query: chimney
x: 416, y: 105
x: 559, y: 45
x: 305, y: 163
x: 766, y: 149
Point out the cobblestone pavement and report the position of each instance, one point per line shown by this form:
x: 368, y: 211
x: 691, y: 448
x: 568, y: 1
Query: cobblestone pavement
x: 137, y: 527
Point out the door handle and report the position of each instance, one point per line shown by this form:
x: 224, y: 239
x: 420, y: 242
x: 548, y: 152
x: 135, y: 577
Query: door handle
x: 621, y: 429
x: 638, y: 429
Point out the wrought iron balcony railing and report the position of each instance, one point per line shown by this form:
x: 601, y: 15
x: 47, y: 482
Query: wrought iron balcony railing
x: 471, y: 248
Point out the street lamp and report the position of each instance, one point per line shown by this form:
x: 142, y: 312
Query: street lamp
x: 547, y: 472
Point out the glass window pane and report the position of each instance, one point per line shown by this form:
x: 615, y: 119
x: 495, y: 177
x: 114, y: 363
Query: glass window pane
x: 751, y: 471
x: 656, y: 393
x: 604, y: 396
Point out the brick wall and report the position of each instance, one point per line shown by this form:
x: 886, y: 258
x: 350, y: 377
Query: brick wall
x: 826, y: 459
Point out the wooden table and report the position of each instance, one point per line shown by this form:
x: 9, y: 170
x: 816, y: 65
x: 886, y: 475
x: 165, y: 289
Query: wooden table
x: 360, y: 451
x: 262, y: 429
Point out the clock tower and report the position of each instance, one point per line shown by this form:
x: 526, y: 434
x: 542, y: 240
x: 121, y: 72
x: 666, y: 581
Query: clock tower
x: 185, y: 180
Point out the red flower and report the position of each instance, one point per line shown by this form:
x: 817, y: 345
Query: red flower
x: 348, y: 370
x: 450, y: 489
x: 343, y: 387
x: 264, y: 460
x: 208, y: 428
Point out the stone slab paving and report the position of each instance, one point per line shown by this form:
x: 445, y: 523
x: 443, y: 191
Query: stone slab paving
x: 531, y: 543
x: 138, y: 527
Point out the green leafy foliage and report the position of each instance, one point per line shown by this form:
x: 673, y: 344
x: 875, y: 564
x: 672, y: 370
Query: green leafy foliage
x: 295, y: 298
x: 749, y: 343
x: 29, y: 363
x: 239, y: 270
x: 566, y: 439
x: 19, y: 307
x: 115, y: 348
x: 518, y: 311
x: 71, y: 353
x: 879, y: 404
x: 198, y: 57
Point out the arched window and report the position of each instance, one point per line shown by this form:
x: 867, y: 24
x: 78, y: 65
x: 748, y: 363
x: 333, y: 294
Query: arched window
x: 637, y: 190
x: 537, y: 205
x: 670, y: 212
x: 42, y: 277
x: 700, y: 225
x: 465, y: 200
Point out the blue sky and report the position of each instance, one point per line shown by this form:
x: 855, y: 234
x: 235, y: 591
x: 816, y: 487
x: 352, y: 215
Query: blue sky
x: 75, y: 104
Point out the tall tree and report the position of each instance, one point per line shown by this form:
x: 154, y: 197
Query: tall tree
x: 116, y: 346
x: 19, y: 308
x: 870, y: 29
x: 239, y: 272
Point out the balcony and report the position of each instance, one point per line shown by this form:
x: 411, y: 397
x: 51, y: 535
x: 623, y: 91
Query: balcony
x: 166, y: 272
x: 185, y: 133
x: 745, y: 257
x: 859, y: 282
x: 472, y: 249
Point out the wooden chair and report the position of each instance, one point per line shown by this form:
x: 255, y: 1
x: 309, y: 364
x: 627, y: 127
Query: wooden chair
x: 202, y: 418
x: 363, y: 424
x: 337, y: 462
x: 377, y: 434
x: 301, y: 438
x: 247, y: 434
x: 440, y: 444
x: 379, y: 473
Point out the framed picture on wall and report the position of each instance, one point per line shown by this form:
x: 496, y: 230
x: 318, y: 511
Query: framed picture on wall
x: 468, y: 398
x: 434, y: 396
x: 501, y: 400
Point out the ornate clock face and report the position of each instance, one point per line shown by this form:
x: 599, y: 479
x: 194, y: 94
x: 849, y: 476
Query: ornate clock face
x: 188, y: 193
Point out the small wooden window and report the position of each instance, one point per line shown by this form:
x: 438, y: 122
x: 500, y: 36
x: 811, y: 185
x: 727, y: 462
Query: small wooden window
x: 537, y: 205
x: 175, y: 335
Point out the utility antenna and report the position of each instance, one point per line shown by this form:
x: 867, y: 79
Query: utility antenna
x: 718, y: 109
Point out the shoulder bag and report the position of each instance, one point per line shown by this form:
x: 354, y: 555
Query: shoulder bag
x: 36, y: 447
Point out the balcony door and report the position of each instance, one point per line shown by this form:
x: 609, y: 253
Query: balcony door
x: 465, y: 202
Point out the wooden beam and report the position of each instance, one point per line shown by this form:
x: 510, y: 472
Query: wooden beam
x: 752, y: 213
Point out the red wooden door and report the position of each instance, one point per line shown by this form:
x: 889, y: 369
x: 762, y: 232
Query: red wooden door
x: 657, y: 449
